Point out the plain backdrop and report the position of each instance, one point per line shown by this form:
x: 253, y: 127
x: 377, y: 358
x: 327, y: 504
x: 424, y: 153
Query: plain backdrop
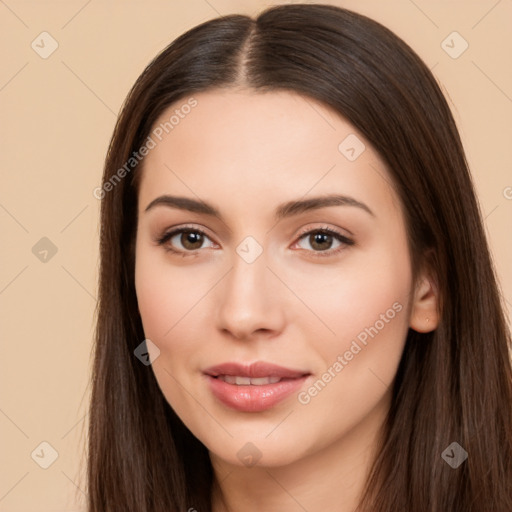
x: 57, y: 116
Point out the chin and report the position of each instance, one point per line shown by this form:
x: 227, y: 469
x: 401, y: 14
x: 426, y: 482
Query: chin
x: 253, y: 450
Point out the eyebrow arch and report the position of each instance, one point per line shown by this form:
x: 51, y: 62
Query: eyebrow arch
x: 284, y: 210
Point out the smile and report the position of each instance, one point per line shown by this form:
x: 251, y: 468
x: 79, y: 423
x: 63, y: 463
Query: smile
x: 246, y: 381
x: 253, y: 388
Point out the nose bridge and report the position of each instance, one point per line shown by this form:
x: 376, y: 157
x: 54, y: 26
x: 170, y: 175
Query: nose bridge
x: 248, y: 300
x: 247, y: 282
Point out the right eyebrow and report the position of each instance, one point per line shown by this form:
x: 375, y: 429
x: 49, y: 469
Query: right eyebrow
x: 184, y: 203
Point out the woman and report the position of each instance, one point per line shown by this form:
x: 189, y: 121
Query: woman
x: 298, y: 309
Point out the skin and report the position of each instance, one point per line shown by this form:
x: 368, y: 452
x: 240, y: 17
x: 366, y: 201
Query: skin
x: 246, y: 153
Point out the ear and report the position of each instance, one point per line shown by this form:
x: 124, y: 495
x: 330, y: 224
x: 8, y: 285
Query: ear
x: 424, y: 310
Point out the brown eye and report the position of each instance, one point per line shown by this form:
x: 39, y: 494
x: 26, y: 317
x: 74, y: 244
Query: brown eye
x: 321, y: 241
x: 324, y: 242
x: 191, y: 240
x: 184, y: 240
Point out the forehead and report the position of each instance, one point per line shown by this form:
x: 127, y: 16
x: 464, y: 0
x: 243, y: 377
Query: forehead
x: 252, y: 148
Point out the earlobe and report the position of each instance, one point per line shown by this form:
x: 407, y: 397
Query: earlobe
x: 424, y: 310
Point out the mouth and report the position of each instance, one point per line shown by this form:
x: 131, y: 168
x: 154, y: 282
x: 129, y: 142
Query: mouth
x: 247, y: 381
x: 253, y: 388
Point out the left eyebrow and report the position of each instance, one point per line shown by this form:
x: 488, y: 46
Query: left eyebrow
x: 296, y: 207
x: 284, y: 210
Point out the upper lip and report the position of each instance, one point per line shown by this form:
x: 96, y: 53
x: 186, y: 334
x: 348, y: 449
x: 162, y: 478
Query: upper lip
x: 254, y: 370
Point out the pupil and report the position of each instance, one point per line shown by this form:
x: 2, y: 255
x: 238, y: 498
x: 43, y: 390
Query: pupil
x: 191, y: 238
x: 321, y: 238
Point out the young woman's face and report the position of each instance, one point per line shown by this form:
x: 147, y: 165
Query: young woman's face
x: 304, y: 265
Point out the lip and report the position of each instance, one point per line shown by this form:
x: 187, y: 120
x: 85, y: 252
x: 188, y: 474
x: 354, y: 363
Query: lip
x: 254, y: 370
x: 251, y: 398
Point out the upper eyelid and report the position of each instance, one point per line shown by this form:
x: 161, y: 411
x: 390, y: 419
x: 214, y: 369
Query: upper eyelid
x: 330, y: 230
x: 179, y: 229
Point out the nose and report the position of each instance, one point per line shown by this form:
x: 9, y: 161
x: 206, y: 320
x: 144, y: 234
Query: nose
x: 250, y: 301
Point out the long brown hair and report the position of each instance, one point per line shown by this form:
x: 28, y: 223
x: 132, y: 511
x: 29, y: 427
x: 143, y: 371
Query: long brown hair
x: 453, y: 384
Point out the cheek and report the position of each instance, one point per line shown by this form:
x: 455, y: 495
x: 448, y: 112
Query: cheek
x: 165, y: 293
x: 171, y: 301
x: 367, y: 288
x: 168, y: 302
x: 154, y: 299
x: 357, y: 374
x: 367, y: 307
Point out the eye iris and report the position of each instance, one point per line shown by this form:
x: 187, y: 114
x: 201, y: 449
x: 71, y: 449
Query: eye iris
x: 317, y: 239
x: 190, y: 238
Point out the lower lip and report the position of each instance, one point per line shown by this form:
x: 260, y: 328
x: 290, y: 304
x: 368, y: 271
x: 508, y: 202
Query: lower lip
x: 253, y: 398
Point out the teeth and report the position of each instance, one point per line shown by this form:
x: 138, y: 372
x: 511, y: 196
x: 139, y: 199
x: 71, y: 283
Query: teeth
x: 264, y: 380
x: 246, y: 381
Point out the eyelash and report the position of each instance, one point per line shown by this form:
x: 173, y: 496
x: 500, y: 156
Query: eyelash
x: 321, y: 254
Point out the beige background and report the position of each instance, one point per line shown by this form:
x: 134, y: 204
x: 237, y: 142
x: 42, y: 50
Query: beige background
x: 57, y: 115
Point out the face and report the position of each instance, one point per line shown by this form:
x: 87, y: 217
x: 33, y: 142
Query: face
x: 280, y: 242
